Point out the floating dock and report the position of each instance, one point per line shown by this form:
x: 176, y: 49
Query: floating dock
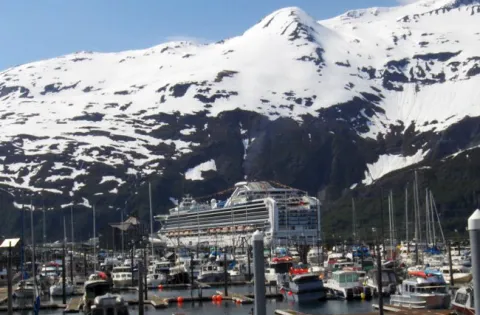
x: 387, y: 309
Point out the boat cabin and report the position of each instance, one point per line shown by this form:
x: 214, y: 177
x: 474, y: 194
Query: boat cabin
x: 430, y: 284
x: 388, y: 276
x: 463, y: 303
x: 280, y: 267
x: 345, y: 278
x: 122, y: 269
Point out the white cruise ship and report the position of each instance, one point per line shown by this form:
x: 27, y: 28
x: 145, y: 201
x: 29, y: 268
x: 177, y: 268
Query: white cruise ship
x: 284, y: 215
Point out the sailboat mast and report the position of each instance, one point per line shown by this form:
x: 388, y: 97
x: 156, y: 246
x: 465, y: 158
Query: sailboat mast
x: 121, y: 219
x: 427, y: 219
x: 389, y: 220
x: 354, y: 234
x: 33, y: 242
x: 94, y: 241
x: 438, y: 217
x: 406, y: 215
x: 415, y: 225
x: 417, y: 201
x: 432, y: 221
x: 22, y: 252
x: 151, y: 213
x: 71, y: 225
x: 44, y: 226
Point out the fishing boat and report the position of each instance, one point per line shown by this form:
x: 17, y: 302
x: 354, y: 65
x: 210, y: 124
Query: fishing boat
x: 463, y: 302
x: 280, y: 213
x: 422, y: 290
x: 346, y: 285
x: 389, y: 281
x: 211, y: 273
x: 305, y: 287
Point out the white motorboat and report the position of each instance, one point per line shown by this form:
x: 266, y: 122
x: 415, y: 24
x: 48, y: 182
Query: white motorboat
x: 93, y: 289
x: 237, y: 273
x: 109, y: 304
x: 434, y: 260
x: 278, y: 269
x: 463, y: 302
x: 24, y: 289
x: 315, y: 256
x: 422, y: 290
x: 122, y: 276
x: 57, y: 289
x: 461, y: 274
x: 318, y: 270
x: 306, y: 287
x: 346, y: 285
x: 156, y: 279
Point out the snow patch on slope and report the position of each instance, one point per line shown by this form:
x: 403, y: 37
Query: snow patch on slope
x: 388, y: 163
x: 196, y: 172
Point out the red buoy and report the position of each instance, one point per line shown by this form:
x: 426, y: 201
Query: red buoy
x: 179, y: 299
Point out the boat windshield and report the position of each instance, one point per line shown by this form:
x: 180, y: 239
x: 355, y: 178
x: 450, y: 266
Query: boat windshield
x: 97, y: 290
x: 431, y: 289
x: 348, y: 277
x: 388, y: 277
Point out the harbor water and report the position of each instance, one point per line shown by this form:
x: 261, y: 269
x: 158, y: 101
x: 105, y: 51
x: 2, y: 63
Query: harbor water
x: 229, y: 307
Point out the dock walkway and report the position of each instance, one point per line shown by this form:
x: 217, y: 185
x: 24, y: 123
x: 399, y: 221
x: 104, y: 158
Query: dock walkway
x: 74, y: 305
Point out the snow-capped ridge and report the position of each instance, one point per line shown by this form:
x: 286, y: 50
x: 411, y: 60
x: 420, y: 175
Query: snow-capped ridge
x: 291, y: 22
x: 359, y: 13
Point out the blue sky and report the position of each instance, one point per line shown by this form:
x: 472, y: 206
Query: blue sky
x: 38, y: 29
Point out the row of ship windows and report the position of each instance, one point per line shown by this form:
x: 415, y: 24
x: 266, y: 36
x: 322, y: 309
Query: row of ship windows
x: 297, y: 227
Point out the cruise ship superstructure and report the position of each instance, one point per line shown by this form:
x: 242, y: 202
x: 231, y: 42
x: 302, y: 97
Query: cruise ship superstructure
x: 282, y: 214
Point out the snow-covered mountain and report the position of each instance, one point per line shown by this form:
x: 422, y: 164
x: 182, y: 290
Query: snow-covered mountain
x: 324, y: 105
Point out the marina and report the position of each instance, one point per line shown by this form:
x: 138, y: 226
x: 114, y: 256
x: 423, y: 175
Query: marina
x: 268, y: 268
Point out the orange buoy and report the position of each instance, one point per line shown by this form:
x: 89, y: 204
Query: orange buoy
x: 179, y: 299
x: 238, y: 301
x: 219, y: 298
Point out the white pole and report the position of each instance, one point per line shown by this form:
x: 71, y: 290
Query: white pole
x: 474, y: 231
x: 438, y: 218
x: 432, y: 221
x: 94, y: 242
x: 353, y: 220
x: 406, y: 216
x: 121, y: 219
x: 71, y: 225
x: 151, y: 214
